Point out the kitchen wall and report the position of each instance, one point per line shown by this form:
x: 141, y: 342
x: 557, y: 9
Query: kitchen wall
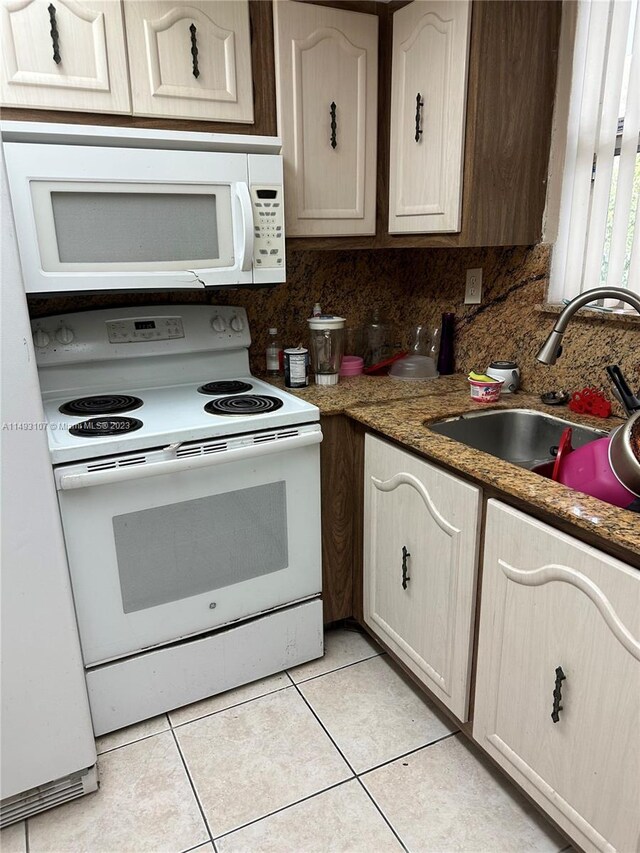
x: 410, y: 286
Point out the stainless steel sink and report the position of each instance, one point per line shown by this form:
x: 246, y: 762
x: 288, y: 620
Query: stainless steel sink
x: 520, y: 436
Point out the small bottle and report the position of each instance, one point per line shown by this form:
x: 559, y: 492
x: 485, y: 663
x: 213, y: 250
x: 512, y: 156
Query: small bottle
x: 446, y: 356
x: 317, y: 310
x: 274, y: 354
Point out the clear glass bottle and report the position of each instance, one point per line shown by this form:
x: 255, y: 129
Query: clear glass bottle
x: 274, y: 354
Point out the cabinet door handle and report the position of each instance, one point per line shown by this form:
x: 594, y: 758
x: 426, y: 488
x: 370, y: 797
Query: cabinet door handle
x: 557, y: 694
x: 419, y: 106
x: 334, y: 126
x: 55, y: 38
x: 194, y: 51
x: 405, y: 569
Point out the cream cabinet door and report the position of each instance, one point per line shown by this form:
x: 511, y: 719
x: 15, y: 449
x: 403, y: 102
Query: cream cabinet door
x: 64, y: 55
x: 558, y: 681
x: 190, y: 59
x: 428, y: 109
x: 420, y: 554
x: 326, y: 86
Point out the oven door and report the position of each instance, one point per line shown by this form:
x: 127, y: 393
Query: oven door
x: 173, y: 543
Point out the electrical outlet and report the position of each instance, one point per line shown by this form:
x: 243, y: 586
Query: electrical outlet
x: 473, y: 292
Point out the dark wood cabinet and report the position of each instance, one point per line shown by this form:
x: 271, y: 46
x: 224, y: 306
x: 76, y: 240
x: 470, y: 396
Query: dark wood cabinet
x: 341, y: 477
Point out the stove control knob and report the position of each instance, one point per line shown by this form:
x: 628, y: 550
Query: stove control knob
x: 64, y: 335
x: 236, y: 323
x: 41, y: 338
x: 218, y: 324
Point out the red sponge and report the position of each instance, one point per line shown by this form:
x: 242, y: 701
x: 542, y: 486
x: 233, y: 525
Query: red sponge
x: 590, y: 401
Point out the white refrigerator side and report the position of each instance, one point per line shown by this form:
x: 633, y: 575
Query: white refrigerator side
x: 45, y: 727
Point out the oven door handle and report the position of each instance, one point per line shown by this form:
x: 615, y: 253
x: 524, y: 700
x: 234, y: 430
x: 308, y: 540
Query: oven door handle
x: 83, y: 479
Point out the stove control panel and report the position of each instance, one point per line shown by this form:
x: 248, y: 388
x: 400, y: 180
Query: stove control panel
x: 149, y: 331
x: 140, y: 329
x: 268, y: 225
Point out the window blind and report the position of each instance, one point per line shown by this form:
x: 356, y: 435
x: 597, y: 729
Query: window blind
x: 598, y: 243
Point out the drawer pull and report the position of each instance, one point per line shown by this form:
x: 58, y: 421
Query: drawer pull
x: 405, y: 569
x: 54, y: 34
x: 334, y: 126
x: 194, y: 51
x: 557, y: 694
x: 419, y: 106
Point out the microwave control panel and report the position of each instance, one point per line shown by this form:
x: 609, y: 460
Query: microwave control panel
x: 268, y: 225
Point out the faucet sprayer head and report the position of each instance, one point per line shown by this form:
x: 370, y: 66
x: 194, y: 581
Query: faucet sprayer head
x: 551, y: 349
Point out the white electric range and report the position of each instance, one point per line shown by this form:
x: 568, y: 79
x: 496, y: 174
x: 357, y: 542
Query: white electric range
x: 189, y: 494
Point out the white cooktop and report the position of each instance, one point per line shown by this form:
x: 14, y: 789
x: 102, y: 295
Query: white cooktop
x: 163, y: 365
x: 170, y: 414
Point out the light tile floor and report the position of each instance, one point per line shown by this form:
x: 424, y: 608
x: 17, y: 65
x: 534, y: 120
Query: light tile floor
x: 339, y: 754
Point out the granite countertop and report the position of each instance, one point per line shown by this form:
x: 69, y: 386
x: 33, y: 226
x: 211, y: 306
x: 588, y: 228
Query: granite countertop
x: 360, y: 390
x: 400, y: 411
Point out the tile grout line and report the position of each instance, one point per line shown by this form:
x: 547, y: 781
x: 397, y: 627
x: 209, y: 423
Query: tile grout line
x: 376, y: 767
x: 228, y: 707
x: 382, y: 814
x: 408, y: 753
x: 337, y: 668
x: 135, y: 740
x: 198, y: 846
x: 193, y: 788
x: 324, y: 728
x: 348, y: 763
x: 284, y: 808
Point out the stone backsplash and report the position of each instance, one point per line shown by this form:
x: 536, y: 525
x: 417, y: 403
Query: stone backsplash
x: 411, y: 286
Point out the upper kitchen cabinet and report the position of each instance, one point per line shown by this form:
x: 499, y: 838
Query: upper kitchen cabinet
x: 428, y: 108
x: 507, y: 131
x: 326, y: 86
x: 190, y: 60
x: 67, y: 55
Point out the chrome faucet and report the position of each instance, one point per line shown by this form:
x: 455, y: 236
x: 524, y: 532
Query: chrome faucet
x: 552, y: 347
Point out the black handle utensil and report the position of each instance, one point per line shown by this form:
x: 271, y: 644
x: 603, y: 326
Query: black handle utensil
x: 630, y: 402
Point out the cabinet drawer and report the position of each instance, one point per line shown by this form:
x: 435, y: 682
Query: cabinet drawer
x: 560, y: 617
x: 420, y: 547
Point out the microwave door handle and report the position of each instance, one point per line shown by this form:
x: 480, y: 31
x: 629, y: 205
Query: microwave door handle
x: 246, y: 209
x: 84, y: 479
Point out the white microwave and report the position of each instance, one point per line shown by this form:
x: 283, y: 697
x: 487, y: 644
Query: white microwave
x: 112, y: 216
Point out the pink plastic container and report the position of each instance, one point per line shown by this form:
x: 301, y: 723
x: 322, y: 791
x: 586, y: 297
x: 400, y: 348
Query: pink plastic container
x: 587, y: 469
x: 351, y: 365
x: 485, y: 392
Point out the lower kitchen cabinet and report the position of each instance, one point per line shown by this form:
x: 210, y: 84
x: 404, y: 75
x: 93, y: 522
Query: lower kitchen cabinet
x: 557, y: 700
x: 420, y: 555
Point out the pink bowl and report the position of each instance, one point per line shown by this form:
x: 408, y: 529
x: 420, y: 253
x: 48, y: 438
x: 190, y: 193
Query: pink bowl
x: 351, y: 365
x: 587, y: 469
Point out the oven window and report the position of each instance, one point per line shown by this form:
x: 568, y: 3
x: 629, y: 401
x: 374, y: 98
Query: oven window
x: 103, y: 227
x: 172, y: 552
